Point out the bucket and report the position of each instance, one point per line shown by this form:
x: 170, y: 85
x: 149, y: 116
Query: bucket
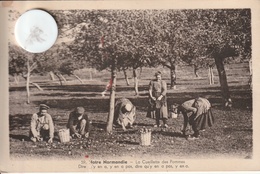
x: 146, y: 138
x: 173, y: 115
x: 64, y: 135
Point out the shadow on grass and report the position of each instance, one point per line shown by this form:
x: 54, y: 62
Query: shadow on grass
x: 169, y: 134
x: 60, y: 94
x: 233, y: 88
x: 66, y: 88
x: 229, y: 130
x: 90, y: 105
x: 128, y: 131
x: 26, y: 138
x: 142, y: 124
x: 128, y: 142
x: 101, y: 105
x: 98, y: 124
x: 241, y: 95
x: 79, y: 88
x: 19, y: 137
x: 19, y: 120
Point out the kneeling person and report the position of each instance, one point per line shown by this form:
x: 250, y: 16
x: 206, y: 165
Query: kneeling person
x: 78, y: 123
x: 124, y: 113
x: 42, y: 126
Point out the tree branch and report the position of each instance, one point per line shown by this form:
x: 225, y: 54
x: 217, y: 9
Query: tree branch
x: 33, y: 66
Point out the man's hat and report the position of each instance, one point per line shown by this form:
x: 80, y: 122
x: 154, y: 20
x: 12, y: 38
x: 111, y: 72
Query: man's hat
x: 80, y: 110
x: 44, y: 107
x: 158, y: 73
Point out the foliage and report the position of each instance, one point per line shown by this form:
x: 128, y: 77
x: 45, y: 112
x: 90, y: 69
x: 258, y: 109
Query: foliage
x: 17, y: 61
x: 224, y: 32
x: 137, y: 38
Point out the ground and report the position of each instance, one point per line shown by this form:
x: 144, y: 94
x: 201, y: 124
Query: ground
x: 230, y: 137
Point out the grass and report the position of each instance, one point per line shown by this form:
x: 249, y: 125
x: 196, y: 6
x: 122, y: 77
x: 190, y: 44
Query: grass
x: 231, y: 135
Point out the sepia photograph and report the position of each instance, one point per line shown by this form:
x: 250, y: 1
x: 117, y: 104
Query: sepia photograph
x: 159, y: 86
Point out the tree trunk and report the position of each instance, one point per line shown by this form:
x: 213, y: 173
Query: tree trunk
x: 16, y: 79
x: 28, y: 81
x: 196, y: 71
x: 223, y: 80
x: 211, y: 75
x: 34, y: 84
x: 78, y: 78
x: 52, y: 76
x: 110, y: 118
x: 59, y: 79
x: 173, y: 77
x: 126, y: 78
x: 135, y: 81
x: 141, y: 70
x: 37, y: 86
x: 90, y: 74
x: 63, y: 78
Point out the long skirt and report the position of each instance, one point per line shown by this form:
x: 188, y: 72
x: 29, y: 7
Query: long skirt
x: 204, y: 120
x: 161, y: 111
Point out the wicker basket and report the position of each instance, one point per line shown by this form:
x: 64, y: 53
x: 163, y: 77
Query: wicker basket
x: 64, y: 135
x: 146, y: 138
x: 173, y: 115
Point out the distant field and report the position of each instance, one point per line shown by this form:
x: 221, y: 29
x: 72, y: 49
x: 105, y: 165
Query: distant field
x: 231, y: 136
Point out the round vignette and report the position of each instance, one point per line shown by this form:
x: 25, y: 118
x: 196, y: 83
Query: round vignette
x: 32, y: 33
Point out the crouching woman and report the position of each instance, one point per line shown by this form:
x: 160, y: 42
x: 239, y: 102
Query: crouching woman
x: 124, y: 113
x: 196, y: 112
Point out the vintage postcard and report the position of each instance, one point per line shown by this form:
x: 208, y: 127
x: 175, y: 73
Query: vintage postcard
x: 129, y: 86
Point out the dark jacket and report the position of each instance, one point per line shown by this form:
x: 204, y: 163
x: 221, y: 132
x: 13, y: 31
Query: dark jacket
x: 74, y: 121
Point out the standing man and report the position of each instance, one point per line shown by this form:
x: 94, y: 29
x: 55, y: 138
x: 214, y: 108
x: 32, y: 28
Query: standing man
x: 42, y: 126
x: 78, y: 123
x: 157, y: 100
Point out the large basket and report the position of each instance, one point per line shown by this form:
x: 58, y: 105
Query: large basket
x: 146, y: 138
x: 64, y: 135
